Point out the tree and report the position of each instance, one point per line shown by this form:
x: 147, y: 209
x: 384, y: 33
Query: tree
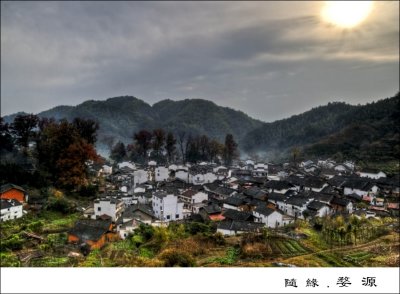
x: 295, y: 154
x: 143, y: 141
x: 23, y: 127
x: 181, y: 142
x: 87, y: 129
x: 6, y: 140
x: 204, y: 147
x: 215, y: 149
x: 192, y: 149
x: 62, y: 154
x: 71, y: 165
x: 230, y: 150
x: 118, y: 152
x: 158, y: 140
x: 170, y: 146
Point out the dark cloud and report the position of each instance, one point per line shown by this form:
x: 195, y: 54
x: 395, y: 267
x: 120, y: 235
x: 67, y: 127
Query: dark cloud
x: 269, y: 59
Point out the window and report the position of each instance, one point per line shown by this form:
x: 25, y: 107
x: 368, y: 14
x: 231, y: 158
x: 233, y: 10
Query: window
x: 177, y: 216
x: 168, y: 216
x: 98, y: 208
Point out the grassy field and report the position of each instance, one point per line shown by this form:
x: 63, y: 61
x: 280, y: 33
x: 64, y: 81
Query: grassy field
x: 189, y: 245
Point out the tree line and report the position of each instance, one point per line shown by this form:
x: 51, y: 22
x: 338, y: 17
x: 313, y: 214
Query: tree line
x: 167, y: 147
x: 58, y: 151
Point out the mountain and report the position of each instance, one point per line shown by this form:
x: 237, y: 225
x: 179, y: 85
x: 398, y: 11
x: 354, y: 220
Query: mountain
x: 120, y: 117
x: 364, y: 132
x: 368, y: 132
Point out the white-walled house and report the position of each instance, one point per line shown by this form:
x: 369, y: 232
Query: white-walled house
x: 372, y: 174
x: 109, y: 206
x: 295, y: 205
x: 270, y: 217
x: 182, y: 174
x: 10, y: 209
x: 359, y: 187
x: 167, y: 207
x: 318, y: 208
x: 161, y: 173
x: 106, y: 169
x: 202, y: 178
x: 260, y: 170
x: 126, y: 164
x: 192, y: 198
x: 140, y: 176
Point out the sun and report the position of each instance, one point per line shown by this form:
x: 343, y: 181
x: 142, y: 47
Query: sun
x: 346, y: 14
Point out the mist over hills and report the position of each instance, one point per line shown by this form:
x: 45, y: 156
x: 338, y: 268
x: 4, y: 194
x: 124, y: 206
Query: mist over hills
x: 336, y: 129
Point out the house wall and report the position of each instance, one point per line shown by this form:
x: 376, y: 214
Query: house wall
x: 168, y: 206
x: 161, y: 174
x: 348, y: 191
x: 226, y: 232
x: 13, y: 194
x: 139, y: 177
x: 72, y: 238
x: 272, y: 220
x: 228, y: 206
x: 373, y: 175
x: 199, y: 197
x: 182, y: 175
x: 113, y: 210
x: 11, y: 213
x: 324, y: 211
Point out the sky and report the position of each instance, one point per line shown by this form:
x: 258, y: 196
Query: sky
x: 268, y: 59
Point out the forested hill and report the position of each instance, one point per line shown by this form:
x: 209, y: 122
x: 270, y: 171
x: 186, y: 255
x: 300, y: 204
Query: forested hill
x: 120, y: 117
x: 368, y: 131
x: 364, y: 132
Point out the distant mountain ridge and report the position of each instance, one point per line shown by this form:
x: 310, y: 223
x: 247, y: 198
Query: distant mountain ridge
x: 121, y: 117
x: 364, y: 132
x: 369, y: 130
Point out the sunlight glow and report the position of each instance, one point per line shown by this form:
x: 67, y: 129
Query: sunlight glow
x: 346, y: 14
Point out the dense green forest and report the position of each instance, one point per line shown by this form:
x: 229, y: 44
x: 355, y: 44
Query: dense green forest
x: 120, y: 117
x: 363, y: 132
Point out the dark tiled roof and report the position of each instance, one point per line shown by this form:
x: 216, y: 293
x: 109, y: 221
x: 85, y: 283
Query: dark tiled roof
x: 237, y: 215
x: 276, y: 196
x: 340, y: 201
x: 223, y: 191
x: 6, y: 187
x: 264, y: 210
x: 314, y: 182
x: 255, y: 192
x: 295, y: 180
x: 88, y: 229
x: 297, y: 200
x: 239, y: 226
x: 360, y: 184
x: 315, y: 205
x: 212, y: 209
x: 278, y: 185
x: 234, y: 201
x: 8, y: 203
x: 131, y: 211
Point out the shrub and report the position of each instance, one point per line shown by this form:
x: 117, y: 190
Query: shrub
x: 15, y: 242
x: 35, y: 226
x: 146, y: 252
x: 60, y: 204
x: 173, y: 257
x: 9, y: 260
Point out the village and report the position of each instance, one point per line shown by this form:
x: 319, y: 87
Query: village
x: 246, y: 197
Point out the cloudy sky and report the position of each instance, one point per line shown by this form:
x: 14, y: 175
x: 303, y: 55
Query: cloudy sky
x: 268, y: 59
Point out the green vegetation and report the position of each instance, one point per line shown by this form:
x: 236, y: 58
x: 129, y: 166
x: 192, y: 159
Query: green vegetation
x: 365, y: 133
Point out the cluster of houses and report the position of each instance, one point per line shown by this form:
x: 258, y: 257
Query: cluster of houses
x: 244, y: 197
